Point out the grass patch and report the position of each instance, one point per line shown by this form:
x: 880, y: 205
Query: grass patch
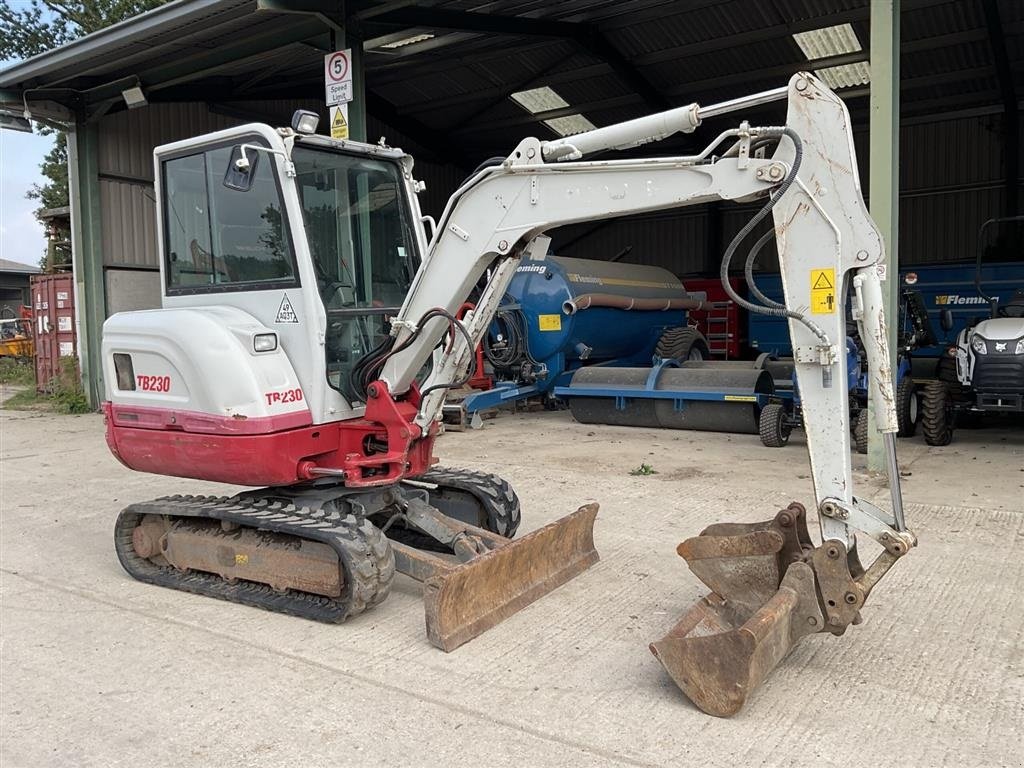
x: 20, y: 374
x: 66, y: 393
x: 27, y: 400
x: 643, y: 470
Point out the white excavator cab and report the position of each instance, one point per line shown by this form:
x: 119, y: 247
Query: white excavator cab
x: 317, y: 240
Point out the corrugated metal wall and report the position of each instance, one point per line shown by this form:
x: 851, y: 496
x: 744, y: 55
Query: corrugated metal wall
x: 951, y: 181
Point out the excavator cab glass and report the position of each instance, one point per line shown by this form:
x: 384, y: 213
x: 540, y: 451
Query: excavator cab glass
x: 363, y: 248
x: 223, y: 237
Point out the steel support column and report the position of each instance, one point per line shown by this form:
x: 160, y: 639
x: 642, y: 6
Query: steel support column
x: 884, y: 165
x: 87, y: 254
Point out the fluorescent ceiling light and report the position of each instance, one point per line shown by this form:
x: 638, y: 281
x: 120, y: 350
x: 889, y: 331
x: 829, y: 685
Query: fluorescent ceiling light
x: 828, y: 41
x: 569, y: 125
x: 541, y: 99
x: 408, y: 41
x: 846, y: 75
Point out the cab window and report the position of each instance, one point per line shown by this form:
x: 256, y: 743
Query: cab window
x: 220, y: 237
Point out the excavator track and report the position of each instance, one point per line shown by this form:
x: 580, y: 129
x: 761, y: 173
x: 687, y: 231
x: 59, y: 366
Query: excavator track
x: 366, y: 557
x: 495, y: 496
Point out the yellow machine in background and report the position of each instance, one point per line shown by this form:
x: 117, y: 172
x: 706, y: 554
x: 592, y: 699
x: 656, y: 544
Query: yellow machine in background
x: 16, y: 335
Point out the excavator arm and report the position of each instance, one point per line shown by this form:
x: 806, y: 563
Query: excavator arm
x: 828, y: 248
x: 770, y: 585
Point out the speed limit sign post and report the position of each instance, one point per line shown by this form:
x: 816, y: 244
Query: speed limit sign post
x: 338, y: 77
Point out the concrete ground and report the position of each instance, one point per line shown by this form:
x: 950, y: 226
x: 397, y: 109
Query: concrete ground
x: 99, y: 670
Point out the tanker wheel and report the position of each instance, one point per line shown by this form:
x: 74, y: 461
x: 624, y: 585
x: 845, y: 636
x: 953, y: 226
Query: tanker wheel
x: 682, y: 344
x: 907, y: 407
x: 860, y: 431
x: 937, y: 413
x: 774, y: 426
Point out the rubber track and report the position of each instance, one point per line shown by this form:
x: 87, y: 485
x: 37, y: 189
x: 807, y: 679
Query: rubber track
x: 369, y: 562
x: 495, y: 495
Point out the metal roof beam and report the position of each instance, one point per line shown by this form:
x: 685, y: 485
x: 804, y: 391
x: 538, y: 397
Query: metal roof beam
x: 469, y: 126
x: 438, y: 143
x: 765, y: 34
x: 588, y: 37
x: 764, y: 74
x: 161, y: 19
x: 469, y: 21
x: 599, y: 46
x: 210, y: 62
x: 499, y: 93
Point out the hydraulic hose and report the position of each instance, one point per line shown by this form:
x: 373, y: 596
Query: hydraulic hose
x: 748, y: 271
x: 749, y: 227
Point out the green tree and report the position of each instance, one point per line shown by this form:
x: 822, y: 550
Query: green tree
x: 28, y: 29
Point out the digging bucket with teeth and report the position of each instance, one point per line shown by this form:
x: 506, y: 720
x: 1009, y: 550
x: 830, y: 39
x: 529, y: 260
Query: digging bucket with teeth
x: 770, y: 587
x: 491, y: 577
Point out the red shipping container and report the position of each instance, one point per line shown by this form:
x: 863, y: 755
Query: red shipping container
x: 723, y: 323
x: 53, y: 304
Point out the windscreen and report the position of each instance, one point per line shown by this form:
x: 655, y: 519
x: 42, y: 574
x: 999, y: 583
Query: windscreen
x: 363, y: 249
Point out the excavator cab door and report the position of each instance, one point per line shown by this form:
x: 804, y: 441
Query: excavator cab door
x: 317, y: 240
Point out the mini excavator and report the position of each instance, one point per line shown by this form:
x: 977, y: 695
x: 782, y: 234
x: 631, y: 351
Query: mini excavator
x: 309, y: 332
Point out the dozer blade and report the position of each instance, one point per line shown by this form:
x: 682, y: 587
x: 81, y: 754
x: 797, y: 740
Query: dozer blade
x: 764, y: 600
x: 466, y: 599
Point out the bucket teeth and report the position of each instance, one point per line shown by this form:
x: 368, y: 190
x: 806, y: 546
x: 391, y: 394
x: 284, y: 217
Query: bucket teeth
x: 764, y: 599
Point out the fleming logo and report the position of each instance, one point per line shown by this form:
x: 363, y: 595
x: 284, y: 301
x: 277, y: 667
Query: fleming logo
x: 955, y: 298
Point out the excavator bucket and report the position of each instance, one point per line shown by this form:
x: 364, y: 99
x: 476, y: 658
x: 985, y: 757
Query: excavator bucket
x: 763, y: 601
x: 465, y: 599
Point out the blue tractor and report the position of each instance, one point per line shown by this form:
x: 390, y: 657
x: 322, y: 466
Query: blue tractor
x: 780, y: 417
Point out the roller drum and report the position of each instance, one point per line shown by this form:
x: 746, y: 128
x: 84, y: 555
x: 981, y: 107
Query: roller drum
x: 735, y: 416
x: 602, y: 410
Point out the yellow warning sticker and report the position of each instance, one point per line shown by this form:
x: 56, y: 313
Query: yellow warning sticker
x: 741, y: 398
x: 339, y: 121
x: 823, y: 291
x: 549, y: 322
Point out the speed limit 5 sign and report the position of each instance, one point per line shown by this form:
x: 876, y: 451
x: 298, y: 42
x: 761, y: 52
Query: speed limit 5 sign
x: 338, y: 77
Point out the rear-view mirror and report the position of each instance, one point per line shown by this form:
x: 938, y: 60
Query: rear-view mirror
x: 241, y: 169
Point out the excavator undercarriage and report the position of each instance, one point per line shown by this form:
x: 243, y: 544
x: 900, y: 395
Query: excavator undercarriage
x: 328, y: 553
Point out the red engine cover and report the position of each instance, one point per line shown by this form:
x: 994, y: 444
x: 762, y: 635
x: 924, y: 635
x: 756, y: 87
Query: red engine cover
x: 277, y: 450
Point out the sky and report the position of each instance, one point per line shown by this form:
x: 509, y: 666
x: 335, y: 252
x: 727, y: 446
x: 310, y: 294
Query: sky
x: 21, y: 235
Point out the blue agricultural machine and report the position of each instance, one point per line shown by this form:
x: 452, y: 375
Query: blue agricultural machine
x: 612, y: 341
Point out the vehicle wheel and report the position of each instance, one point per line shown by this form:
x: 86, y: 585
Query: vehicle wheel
x: 860, y: 431
x: 945, y: 369
x: 906, y: 407
x: 682, y: 344
x: 936, y: 413
x: 773, y: 426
